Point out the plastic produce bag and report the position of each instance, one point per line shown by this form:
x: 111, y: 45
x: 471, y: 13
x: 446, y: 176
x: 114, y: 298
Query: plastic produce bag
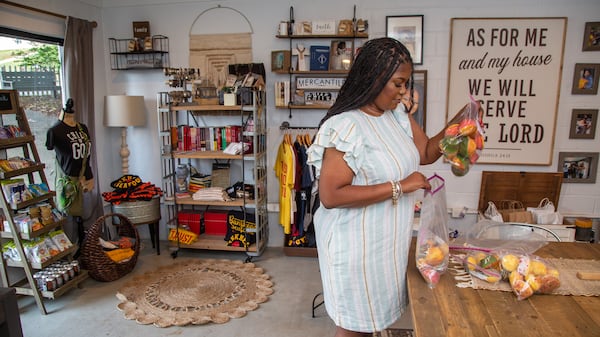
x: 432, y: 240
x: 545, y: 213
x: 463, y: 141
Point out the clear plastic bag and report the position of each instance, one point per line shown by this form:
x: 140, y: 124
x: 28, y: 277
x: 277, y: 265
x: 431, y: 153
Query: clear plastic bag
x: 432, y: 248
x: 463, y: 141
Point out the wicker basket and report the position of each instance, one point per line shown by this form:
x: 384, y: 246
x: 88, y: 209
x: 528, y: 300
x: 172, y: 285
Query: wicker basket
x: 93, y: 258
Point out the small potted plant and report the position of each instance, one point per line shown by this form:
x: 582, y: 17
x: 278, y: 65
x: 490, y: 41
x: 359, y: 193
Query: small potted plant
x: 228, y: 95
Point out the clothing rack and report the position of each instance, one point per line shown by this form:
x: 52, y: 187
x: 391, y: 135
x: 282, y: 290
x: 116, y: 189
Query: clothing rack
x: 287, y: 126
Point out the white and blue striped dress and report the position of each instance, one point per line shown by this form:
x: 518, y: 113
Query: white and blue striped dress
x: 363, y: 252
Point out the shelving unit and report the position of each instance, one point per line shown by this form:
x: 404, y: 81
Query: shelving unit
x: 294, y: 73
x: 252, y: 166
x: 354, y: 37
x: 35, y: 174
x: 123, y: 57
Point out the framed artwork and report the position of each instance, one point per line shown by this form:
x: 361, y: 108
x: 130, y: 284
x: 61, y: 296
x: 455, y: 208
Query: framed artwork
x: 341, y: 55
x: 591, y: 37
x: 407, y: 29
x: 585, y: 79
x: 420, y: 85
x: 583, y: 123
x: 280, y: 61
x: 490, y: 60
x: 578, y: 167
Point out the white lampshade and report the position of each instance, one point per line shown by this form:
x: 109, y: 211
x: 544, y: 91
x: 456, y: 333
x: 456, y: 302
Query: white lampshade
x: 122, y: 110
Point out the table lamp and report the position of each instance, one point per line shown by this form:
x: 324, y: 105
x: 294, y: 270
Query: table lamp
x: 124, y: 111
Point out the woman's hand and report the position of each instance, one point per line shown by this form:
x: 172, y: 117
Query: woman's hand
x: 411, y: 105
x: 415, y: 181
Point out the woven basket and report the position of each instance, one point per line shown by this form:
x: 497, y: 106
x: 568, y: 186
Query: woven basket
x: 93, y: 258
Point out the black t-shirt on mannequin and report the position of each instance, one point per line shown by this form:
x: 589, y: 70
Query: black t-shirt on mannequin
x: 71, y: 142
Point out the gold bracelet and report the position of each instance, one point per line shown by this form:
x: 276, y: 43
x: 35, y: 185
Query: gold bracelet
x: 399, y: 188
x: 394, y: 192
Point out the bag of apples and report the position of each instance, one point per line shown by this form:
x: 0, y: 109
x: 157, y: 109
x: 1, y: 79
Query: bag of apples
x: 432, y: 248
x: 463, y: 141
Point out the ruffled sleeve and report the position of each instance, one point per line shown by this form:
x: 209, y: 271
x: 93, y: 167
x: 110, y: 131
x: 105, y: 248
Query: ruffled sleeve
x: 341, y: 132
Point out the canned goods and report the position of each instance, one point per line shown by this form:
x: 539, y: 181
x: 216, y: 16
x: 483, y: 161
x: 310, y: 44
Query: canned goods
x: 59, y: 280
x: 49, y: 283
x: 75, y: 265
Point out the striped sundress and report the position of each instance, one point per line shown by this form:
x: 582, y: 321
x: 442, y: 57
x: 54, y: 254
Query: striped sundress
x: 363, y: 251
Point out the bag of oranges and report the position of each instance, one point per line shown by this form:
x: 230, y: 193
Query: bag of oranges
x: 432, y: 249
x: 463, y: 141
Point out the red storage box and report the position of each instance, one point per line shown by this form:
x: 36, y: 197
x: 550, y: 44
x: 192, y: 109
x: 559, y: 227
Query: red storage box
x: 191, y: 220
x: 215, y: 222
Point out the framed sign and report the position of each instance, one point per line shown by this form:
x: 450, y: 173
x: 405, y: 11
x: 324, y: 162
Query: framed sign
x: 280, y: 61
x: 583, y: 123
x: 512, y: 66
x: 407, y: 29
x: 578, y: 167
x: 319, y: 83
x: 8, y: 101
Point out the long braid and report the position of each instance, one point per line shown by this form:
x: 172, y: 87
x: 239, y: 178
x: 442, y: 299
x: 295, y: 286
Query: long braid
x: 374, y: 65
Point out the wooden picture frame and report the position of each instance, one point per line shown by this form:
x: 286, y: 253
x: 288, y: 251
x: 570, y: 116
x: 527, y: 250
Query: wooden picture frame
x: 585, y: 79
x: 8, y: 102
x: 420, y: 85
x: 340, y: 58
x: 578, y: 167
x: 583, y: 123
x: 483, y: 64
x: 591, y: 37
x: 407, y: 29
x: 280, y: 61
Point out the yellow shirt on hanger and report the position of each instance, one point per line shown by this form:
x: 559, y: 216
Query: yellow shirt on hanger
x: 284, y: 170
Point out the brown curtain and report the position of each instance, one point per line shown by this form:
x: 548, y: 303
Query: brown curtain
x: 78, y: 67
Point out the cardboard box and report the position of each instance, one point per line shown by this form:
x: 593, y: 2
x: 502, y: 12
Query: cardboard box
x: 215, y: 223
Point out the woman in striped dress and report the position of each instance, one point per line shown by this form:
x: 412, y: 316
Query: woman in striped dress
x: 366, y: 155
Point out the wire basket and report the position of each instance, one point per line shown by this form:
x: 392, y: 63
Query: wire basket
x: 93, y: 258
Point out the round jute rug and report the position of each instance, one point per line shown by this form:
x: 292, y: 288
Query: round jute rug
x: 195, y: 291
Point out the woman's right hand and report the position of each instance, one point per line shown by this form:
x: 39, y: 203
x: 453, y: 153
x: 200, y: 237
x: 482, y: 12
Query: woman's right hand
x: 415, y: 181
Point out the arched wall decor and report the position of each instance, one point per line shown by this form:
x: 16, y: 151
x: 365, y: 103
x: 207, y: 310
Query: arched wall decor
x: 214, y: 45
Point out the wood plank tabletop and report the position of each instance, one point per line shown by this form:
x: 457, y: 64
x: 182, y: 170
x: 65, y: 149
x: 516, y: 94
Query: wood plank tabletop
x: 448, y: 310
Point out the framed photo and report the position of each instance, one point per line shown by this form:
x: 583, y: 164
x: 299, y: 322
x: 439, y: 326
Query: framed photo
x: 420, y: 86
x: 578, y: 167
x: 341, y: 55
x: 583, y: 123
x: 280, y: 61
x: 591, y: 36
x: 407, y: 29
x: 585, y: 79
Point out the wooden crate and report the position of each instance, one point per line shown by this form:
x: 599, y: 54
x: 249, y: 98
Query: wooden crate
x: 528, y: 187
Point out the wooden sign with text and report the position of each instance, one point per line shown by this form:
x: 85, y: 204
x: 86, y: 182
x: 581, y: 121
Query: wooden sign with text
x: 513, y: 67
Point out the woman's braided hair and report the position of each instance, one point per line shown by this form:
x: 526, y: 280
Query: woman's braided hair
x: 373, y: 67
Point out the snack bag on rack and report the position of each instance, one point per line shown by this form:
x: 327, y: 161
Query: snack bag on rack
x: 463, y: 141
x: 432, y: 248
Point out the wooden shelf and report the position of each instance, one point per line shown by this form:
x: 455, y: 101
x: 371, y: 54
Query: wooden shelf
x: 28, y: 236
x: 328, y: 36
x: 43, y: 265
x: 214, y: 242
x: 24, y: 289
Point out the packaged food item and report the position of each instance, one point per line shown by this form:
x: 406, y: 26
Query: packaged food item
x: 463, y: 141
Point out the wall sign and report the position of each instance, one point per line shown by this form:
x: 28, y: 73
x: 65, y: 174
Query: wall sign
x: 513, y: 67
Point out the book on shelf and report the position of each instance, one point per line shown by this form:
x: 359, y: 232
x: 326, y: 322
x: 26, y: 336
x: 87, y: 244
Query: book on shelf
x: 319, y: 58
x: 282, y: 93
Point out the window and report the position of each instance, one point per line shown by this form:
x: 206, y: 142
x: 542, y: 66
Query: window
x: 30, y: 64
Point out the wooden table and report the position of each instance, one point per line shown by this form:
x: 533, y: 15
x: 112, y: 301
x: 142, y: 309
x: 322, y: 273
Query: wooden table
x: 448, y: 310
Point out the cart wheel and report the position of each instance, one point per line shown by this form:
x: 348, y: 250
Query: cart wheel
x: 248, y: 259
x: 174, y: 254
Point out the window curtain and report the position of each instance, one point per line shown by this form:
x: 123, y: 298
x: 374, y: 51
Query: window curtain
x: 78, y: 67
